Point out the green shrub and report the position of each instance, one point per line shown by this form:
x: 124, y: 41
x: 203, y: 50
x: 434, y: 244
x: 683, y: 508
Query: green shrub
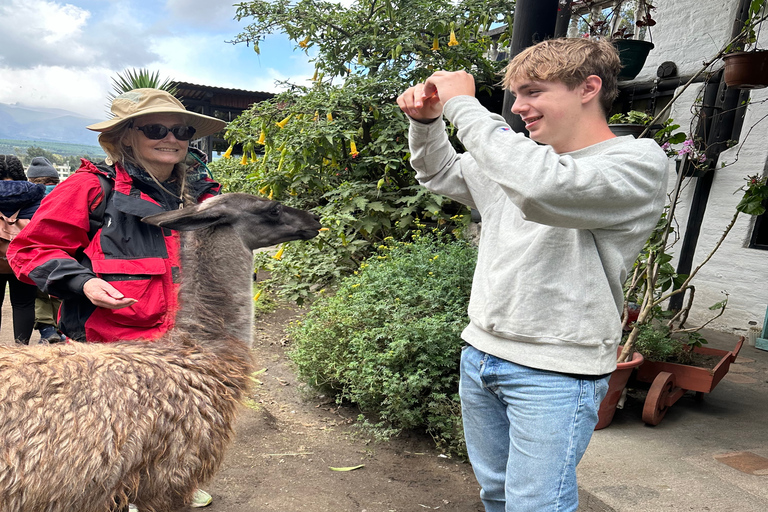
x: 389, y: 339
x: 656, y: 344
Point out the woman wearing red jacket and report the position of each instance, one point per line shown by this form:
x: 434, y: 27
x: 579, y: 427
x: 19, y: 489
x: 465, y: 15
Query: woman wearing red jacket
x: 119, y: 282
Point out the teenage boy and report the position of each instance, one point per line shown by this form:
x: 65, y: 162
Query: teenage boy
x: 563, y: 221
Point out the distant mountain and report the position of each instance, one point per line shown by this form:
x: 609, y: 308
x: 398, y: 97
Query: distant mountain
x: 18, y: 122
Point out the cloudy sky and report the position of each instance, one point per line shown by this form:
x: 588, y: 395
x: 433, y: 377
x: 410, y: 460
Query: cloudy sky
x: 63, y: 54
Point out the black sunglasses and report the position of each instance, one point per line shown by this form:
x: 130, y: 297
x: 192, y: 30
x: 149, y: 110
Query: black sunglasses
x: 158, y: 131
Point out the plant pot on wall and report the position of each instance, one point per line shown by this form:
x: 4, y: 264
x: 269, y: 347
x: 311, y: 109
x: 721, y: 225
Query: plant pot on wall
x: 627, y: 129
x: 616, y: 385
x: 632, y: 53
x: 746, y: 70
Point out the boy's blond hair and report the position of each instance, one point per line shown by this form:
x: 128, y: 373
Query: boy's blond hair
x: 569, y: 61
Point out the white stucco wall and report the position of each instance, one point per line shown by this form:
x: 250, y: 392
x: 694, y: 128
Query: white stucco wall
x: 688, y: 38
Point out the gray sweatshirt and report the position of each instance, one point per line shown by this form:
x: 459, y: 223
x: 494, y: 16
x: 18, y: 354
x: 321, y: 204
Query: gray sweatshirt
x: 560, y: 233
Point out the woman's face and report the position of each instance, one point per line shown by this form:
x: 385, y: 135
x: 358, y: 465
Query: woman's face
x: 158, y: 156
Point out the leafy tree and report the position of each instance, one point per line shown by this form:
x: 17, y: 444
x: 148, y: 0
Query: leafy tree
x: 339, y: 143
x: 35, y: 151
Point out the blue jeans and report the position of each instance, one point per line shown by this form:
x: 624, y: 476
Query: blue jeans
x: 526, y: 431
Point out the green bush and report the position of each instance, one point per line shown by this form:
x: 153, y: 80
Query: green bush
x: 656, y: 344
x: 389, y: 339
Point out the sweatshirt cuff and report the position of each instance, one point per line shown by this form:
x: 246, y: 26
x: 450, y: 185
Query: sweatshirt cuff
x: 421, y: 129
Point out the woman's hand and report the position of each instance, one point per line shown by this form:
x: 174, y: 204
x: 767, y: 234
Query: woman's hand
x: 104, y: 295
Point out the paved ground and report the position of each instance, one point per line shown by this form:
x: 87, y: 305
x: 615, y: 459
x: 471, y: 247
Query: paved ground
x: 709, y: 455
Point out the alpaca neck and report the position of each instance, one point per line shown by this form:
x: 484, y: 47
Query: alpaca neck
x: 215, y: 296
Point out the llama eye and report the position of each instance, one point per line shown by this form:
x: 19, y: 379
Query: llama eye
x: 275, y: 212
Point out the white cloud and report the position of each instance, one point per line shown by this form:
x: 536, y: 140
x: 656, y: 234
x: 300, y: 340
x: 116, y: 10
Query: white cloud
x: 208, y: 60
x: 82, y: 91
x: 40, y: 32
x: 207, y: 14
x: 48, y: 33
x: 64, y: 53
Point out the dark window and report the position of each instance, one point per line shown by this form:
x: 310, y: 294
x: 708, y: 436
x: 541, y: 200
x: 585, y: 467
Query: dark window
x: 760, y: 234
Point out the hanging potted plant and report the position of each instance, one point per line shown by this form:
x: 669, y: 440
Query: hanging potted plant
x: 638, y: 124
x: 626, y: 33
x: 746, y: 65
x: 632, y: 123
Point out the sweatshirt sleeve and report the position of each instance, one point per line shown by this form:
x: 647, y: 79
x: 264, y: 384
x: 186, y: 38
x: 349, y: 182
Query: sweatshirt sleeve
x: 585, y: 189
x: 45, y: 252
x: 438, y: 167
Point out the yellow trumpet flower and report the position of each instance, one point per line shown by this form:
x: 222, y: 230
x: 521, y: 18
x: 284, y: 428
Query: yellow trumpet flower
x: 435, y: 44
x: 244, y: 161
x: 284, y: 122
x: 317, y: 116
x: 304, y: 43
x: 228, y: 152
x: 453, y: 41
x: 353, y: 149
x: 258, y: 294
x: 263, y: 190
x: 329, y: 116
x: 253, y: 157
x: 279, y: 254
x: 262, y: 137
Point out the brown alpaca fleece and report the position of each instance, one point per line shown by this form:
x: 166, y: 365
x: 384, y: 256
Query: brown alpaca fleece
x: 112, y: 424
x: 93, y: 427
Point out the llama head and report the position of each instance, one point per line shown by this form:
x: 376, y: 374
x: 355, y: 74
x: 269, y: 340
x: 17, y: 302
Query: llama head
x: 259, y: 222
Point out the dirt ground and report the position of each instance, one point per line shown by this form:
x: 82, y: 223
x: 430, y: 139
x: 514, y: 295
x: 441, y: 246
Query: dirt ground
x: 289, y: 437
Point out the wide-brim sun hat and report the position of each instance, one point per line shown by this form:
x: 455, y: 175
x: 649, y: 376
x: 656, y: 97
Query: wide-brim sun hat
x: 138, y: 102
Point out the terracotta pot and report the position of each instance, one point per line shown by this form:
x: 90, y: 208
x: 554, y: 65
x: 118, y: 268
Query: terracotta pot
x: 616, y: 385
x: 746, y: 70
x: 632, y: 53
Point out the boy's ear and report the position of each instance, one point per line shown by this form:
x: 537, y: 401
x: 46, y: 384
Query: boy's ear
x: 591, y: 88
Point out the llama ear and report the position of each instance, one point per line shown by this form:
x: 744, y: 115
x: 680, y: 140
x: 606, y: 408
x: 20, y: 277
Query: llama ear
x: 186, y: 219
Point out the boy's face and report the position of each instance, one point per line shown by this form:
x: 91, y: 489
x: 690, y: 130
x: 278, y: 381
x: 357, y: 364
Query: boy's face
x: 551, y: 112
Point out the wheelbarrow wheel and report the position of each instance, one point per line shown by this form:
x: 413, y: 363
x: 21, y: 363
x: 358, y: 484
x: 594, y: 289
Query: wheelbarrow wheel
x: 656, y: 400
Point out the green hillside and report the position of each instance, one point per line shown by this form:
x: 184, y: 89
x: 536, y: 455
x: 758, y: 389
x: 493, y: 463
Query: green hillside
x: 17, y: 147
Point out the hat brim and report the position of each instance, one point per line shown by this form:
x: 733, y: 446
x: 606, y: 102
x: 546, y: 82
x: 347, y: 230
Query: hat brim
x: 204, y: 125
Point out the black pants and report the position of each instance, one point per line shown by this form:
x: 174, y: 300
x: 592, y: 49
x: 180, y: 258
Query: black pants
x: 23, y: 303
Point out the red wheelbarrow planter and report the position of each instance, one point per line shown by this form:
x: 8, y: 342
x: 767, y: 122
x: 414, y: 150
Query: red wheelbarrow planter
x: 670, y: 381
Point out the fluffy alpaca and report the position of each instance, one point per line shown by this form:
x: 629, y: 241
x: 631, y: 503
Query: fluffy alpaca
x: 92, y: 427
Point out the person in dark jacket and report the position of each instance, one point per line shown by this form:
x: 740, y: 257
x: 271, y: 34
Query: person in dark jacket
x: 42, y: 171
x: 118, y: 278
x: 18, y: 195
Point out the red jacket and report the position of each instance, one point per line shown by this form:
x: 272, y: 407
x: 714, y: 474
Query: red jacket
x: 142, y: 261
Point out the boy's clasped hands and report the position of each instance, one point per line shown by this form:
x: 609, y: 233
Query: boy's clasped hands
x: 424, y: 102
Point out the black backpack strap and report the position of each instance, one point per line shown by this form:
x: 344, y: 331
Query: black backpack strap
x: 96, y: 218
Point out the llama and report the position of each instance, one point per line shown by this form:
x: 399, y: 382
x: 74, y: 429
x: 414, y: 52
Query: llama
x: 93, y: 427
